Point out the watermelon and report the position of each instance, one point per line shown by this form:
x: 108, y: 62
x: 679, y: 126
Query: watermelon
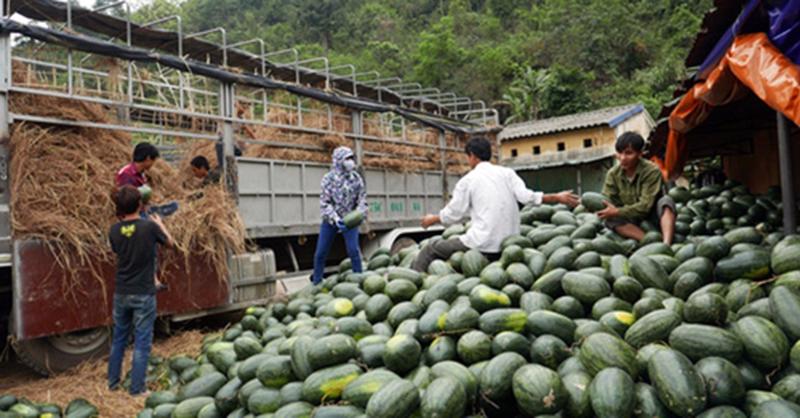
x: 602, y: 350
x: 402, y: 353
x: 538, y: 390
x: 612, y: 394
x: 397, y: 399
x: 359, y: 391
x: 329, y: 383
x: 679, y: 386
x: 444, y: 397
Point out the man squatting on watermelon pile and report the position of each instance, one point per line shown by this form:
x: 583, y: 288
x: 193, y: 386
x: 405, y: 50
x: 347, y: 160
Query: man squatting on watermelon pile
x: 489, y: 196
x: 635, y: 192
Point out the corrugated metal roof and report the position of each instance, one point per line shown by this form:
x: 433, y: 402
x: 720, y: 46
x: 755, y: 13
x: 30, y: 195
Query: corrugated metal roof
x: 611, y: 116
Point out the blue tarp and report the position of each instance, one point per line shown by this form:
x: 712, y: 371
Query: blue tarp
x: 784, y: 28
x: 727, y: 38
x: 784, y: 32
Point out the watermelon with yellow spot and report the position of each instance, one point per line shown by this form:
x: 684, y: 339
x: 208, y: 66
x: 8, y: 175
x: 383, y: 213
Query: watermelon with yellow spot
x: 340, y: 307
x: 362, y: 388
x: 619, y: 321
x: 458, y: 319
x: 402, y: 353
x: 329, y: 383
x: 496, y: 321
x: 484, y: 298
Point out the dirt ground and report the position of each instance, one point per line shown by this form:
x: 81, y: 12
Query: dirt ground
x: 89, y: 379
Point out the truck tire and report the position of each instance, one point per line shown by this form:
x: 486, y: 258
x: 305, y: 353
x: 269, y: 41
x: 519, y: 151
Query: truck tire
x: 54, y: 354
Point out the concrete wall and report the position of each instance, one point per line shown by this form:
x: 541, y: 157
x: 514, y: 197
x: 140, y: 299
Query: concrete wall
x: 549, y: 143
x: 641, y: 123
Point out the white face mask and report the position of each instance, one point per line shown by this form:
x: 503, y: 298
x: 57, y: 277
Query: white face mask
x: 349, y: 165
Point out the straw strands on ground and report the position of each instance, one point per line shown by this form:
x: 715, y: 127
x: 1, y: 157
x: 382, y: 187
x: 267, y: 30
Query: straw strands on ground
x: 89, y: 380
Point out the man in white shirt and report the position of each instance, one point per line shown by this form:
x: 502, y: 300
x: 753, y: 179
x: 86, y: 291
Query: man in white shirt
x: 489, y: 195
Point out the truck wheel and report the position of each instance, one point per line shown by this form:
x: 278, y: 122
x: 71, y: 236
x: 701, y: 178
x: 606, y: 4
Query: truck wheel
x: 50, y: 355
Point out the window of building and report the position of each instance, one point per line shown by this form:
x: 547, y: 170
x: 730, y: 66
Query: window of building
x: 562, y: 146
x: 587, y: 143
x: 513, y: 152
x: 537, y: 150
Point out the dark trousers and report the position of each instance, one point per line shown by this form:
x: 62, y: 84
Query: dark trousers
x: 137, y: 314
x: 441, y: 249
x: 327, y: 233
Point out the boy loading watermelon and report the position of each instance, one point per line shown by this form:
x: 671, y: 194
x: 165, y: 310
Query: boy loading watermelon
x: 134, y: 174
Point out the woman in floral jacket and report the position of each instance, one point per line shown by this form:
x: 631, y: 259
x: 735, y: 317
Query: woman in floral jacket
x: 343, y: 191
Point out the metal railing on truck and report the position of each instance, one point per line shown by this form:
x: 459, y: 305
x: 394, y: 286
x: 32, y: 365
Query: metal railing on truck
x: 180, y: 101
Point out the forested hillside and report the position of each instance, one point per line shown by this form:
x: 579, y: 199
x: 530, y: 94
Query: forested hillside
x: 539, y: 57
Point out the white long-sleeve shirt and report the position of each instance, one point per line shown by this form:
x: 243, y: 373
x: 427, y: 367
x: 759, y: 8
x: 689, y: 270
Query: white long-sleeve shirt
x: 488, y: 195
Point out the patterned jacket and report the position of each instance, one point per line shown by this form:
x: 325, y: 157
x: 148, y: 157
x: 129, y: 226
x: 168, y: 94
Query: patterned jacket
x: 342, y: 191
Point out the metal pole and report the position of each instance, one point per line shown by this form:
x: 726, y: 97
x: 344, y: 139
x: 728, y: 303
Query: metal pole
x: 228, y: 134
x: 128, y: 40
x: 443, y: 163
x: 352, y: 74
x: 358, y: 130
x: 789, y: 202
x: 5, y: 78
x: 69, y: 50
x: 224, y: 35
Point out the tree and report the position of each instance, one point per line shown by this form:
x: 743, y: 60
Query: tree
x: 526, y: 93
x: 596, y: 52
x: 437, y: 55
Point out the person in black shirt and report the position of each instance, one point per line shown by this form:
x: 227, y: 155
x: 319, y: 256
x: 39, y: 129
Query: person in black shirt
x: 134, y: 240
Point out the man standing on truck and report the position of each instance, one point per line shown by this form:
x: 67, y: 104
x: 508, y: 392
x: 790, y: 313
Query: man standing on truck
x: 489, y: 194
x: 134, y: 240
x: 634, y: 189
x: 343, y: 191
x: 201, y: 170
x: 134, y: 174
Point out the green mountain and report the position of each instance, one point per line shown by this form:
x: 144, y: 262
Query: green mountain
x: 533, y: 58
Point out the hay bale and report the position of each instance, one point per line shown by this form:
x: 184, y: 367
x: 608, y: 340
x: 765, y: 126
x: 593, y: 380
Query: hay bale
x: 61, y: 184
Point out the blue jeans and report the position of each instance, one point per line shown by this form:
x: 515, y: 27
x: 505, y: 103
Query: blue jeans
x: 327, y: 233
x: 135, y: 313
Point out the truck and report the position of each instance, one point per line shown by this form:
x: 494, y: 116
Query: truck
x: 174, y: 88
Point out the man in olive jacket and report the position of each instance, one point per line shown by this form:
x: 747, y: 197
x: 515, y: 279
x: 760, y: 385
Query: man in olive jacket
x: 634, y: 189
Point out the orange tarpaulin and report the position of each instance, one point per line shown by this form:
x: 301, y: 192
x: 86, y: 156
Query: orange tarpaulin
x: 753, y: 63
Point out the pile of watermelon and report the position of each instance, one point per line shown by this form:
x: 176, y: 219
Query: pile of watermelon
x: 11, y: 407
x: 571, y: 321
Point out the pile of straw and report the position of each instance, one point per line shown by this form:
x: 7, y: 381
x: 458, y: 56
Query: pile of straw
x: 89, y: 380
x: 400, y: 157
x: 61, y: 184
